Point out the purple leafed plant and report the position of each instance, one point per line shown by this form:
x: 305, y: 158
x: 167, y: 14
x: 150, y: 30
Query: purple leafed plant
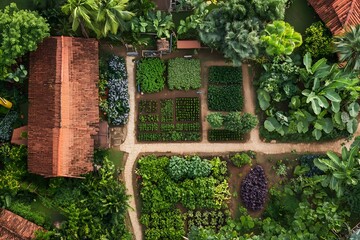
x: 254, y: 189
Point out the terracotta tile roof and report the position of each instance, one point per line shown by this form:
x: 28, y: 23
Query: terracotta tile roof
x: 337, y: 14
x: 63, y: 106
x: 14, y: 227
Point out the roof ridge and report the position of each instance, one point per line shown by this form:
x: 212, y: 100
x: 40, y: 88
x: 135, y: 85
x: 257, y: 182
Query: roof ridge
x: 349, y: 12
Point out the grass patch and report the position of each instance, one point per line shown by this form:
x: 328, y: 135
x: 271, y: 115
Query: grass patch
x: 116, y: 157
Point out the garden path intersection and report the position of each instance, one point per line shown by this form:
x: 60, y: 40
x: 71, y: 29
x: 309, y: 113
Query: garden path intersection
x: 133, y: 148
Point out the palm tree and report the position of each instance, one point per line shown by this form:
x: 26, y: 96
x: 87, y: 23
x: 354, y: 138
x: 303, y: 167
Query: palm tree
x: 348, y: 48
x: 80, y: 12
x: 111, y: 16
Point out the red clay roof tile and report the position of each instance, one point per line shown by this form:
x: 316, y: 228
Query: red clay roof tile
x: 338, y: 15
x: 14, y: 227
x: 63, y: 106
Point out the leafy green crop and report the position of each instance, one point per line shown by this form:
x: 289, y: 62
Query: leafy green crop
x: 225, y: 98
x: 225, y: 75
x: 184, y: 74
x: 150, y: 75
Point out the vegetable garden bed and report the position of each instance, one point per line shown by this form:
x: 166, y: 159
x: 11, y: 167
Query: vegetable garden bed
x: 280, y: 192
x: 225, y: 89
x: 169, y: 120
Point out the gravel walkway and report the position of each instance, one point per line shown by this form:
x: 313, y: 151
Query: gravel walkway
x: 254, y: 143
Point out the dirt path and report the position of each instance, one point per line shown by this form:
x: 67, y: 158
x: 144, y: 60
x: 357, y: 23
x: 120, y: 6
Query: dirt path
x: 134, y: 149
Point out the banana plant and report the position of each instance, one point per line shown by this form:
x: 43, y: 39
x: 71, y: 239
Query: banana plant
x: 303, y: 119
x: 272, y: 124
x: 341, y: 172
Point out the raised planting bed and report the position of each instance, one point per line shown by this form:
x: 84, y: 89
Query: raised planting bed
x: 197, y: 184
x: 184, y: 74
x: 169, y: 120
x: 225, y: 89
x: 221, y: 135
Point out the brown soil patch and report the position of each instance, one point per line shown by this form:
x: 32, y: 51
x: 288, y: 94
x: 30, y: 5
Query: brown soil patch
x: 237, y: 175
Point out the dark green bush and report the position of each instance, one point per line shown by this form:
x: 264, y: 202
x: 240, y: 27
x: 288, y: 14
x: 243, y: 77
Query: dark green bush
x: 193, y: 167
x: 178, y: 168
x: 150, y: 75
x: 318, y: 41
x: 225, y: 98
x: 225, y: 75
x: 241, y: 123
x: 241, y: 159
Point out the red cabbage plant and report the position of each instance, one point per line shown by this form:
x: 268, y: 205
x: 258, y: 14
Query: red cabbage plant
x: 254, y: 189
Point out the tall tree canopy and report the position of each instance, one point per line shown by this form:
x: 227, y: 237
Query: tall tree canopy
x: 20, y: 32
x: 234, y: 26
x: 101, y: 16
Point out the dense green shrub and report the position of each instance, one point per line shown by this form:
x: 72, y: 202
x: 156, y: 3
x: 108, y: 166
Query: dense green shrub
x: 192, y: 167
x: 280, y: 38
x: 178, y: 168
x: 198, y: 167
x: 21, y: 31
x: 241, y: 159
x: 215, y: 119
x: 225, y: 75
x: 225, y: 98
x: 99, y: 212
x: 321, y: 104
x: 150, y: 75
x: 160, y: 194
x: 241, y: 123
x: 13, y: 160
x: 184, y: 74
x: 318, y: 40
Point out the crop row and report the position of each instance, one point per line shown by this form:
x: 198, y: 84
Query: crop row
x: 167, y: 110
x: 145, y: 127
x: 219, y: 135
x: 148, y: 106
x: 225, y: 75
x: 213, y: 219
x: 181, y: 127
x: 169, y: 136
x: 187, y: 109
x: 148, y: 118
